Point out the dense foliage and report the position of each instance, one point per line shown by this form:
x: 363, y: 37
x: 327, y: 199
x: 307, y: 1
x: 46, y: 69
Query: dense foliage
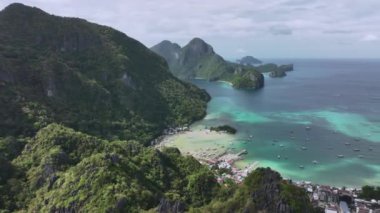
x: 88, y: 77
x: 247, y: 79
x: 224, y: 128
x: 61, y: 169
x: 370, y: 192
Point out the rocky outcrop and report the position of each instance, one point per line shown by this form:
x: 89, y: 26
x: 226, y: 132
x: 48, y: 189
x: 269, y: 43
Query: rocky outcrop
x: 286, y: 67
x: 267, y: 195
x: 167, y: 206
x: 277, y: 74
x: 170, y: 51
x: 270, y: 193
x: 274, y: 70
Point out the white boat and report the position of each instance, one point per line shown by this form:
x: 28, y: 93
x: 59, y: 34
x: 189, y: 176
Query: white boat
x: 340, y: 156
x: 315, y: 162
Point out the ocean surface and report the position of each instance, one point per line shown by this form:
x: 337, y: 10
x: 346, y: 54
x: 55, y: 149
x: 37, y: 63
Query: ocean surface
x: 300, y: 124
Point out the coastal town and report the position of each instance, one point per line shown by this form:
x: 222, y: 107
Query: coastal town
x: 329, y: 199
x: 338, y: 199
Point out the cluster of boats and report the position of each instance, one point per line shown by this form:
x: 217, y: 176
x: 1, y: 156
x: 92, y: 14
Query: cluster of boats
x: 315, y: 162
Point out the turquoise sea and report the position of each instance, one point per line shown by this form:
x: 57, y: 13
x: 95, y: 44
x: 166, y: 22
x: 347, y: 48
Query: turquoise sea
x: 298, y: 125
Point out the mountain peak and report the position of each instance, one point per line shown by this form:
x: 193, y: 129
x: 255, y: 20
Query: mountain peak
x: 198, y: 41
x: 166, y: 43
x: 199, y: 46
x: 19, y: 7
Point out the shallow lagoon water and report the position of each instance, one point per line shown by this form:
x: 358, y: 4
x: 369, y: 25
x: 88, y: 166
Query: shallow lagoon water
x: 338, y: 99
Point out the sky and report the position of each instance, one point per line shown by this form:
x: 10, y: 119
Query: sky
x: 235, y: 28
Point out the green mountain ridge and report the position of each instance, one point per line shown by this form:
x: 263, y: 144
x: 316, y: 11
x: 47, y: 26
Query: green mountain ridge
x: 197, y: 59
x: 79, y: 102
x: 88, y: 77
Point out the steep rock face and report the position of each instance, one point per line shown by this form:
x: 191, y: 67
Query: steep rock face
x: 264, y: 191
x: 194, y: 51
x: 277, y: 74
x: 167, y: 206
x: 286, y: 67
x: 170, y: 51
x: 86, y: 76
x: 269, y: 193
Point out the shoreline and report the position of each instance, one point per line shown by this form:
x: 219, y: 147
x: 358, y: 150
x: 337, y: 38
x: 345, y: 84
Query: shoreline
x: 227, y: 82
x: 220, y: 156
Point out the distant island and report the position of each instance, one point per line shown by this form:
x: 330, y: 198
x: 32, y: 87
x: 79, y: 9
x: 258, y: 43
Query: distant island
x: 249, y: 61
x: 198, y: 60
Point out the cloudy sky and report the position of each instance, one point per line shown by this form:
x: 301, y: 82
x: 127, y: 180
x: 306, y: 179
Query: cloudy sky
x: 262, y: 28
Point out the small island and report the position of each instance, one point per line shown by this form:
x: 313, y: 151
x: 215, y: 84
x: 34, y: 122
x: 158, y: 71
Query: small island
x: 224, y: 128
x: 249, y: 61
x: 277, y: 74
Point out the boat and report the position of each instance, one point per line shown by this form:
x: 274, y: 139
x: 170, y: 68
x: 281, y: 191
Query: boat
x: 347, y: 144
x: 303, y: 148
x: 315, y: 162
x: 340, y: 156
x: 308, y: 128
x: 301, y: 166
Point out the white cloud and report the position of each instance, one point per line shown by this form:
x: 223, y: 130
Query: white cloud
x: 228, y: 25
x: 370, y: 37
x: 241, y: 51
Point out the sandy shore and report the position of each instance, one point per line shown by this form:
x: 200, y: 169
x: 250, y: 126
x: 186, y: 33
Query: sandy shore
x: 227, y: 82
x: 200, y: 143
